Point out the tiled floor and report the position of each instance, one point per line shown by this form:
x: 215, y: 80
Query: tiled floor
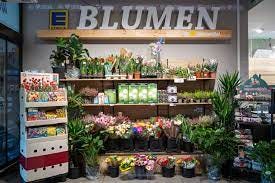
x: 13, y: 177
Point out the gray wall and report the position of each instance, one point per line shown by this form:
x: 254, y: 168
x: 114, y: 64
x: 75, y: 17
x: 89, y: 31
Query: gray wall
x: 36, y: 52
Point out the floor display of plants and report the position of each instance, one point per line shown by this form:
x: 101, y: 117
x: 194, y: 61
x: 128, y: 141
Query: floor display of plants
x: 132, y: 116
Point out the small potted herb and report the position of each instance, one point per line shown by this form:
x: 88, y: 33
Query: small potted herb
x: 213, y: 66
x: 167, y: 166
x: 187, y: 165
x: 198, y: 71
x: 113, y: 163
x: 205, y: 70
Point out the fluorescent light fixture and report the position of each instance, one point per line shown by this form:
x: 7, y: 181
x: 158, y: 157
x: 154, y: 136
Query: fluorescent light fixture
x: 259, y: 30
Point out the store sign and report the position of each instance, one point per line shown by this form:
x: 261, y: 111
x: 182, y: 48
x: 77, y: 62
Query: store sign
x: 154, y: 19
x: 58, y: 19
x: 9, y: 15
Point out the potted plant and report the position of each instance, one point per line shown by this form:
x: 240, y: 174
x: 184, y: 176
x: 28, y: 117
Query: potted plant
x: 112, y: 142
x: 127, y: 167
x: 205, y: 70
x: 262, y: 153
x: 141, y: 136
x: 167, y: 166
x: 140, y: 163
x: 92, y: 144
x: 89, y: 94
x: 197, y: 97
x: 113, y: 163
x: 75, y: 108
x: 155, y: 133
x: 187, y: 165
x: 213, y: 66
x: 182, y: 72
x: 198, y: 71
x: 59, y: 57
x: 108, y: 65
x: 130, y: 68
x: 137, y: 73
x: 76, y: 130
x: 171, y: 130
x: 186, y: 131
x: 218, y: 143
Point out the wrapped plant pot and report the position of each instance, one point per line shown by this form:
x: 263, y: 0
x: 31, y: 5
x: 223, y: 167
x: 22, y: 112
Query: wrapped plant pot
x: 188, y: 172
x: 172, y: 145
x: 140, y: 172
x: 168, y: 172
x: 126, y: 145
x: 155, y: 144
x: 92, y: 173
x: 113, y: 171
x: 60, y: 70
x: 214, y: 173
x: 141, y: 144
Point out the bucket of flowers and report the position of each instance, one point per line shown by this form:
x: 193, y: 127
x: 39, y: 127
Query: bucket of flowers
x: 187, y: 165
x: 124, y: 132
x: 141, y: 161
x: 155, y: 133
x: 150, y: 167
x: 167, y: 166
x: 111, y: 143
x: 141, y: 136
x: 171, y: 130
x: 113, y: 163
x: 127, y: 168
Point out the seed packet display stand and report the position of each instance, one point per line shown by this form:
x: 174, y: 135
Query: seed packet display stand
x: 42, y: 157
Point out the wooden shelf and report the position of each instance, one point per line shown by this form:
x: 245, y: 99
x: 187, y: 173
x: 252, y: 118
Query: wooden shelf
x: 142, y: 79
x: 149, y: 104
x: 154, y: 153
x: 46, y: 122
x: 45, y: 104
x: 138, y: 35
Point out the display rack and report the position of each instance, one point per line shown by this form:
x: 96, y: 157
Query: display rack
x: 44, y: 156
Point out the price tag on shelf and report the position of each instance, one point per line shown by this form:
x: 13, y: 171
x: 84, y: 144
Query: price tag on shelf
x: 192, y: 78
x: 172, y: 105
x: 153, y: 104
x: 178, y: 80
x: 112, y: 105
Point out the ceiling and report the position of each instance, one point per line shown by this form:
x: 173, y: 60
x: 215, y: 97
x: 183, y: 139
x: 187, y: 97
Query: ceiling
x: 262, y: 16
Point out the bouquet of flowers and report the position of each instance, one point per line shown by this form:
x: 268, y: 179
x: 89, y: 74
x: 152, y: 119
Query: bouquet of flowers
x: 168, y: 162
x: 113, y: 161
x: 121, y: 119
x: 127, y: 164
x: 141, y: 160
x: 140, y: 129
x: 154, y: 128
x: 103, y: 121
x: 123, y: 130
x: 187, y: 162
x: 170, y: 129
x: 151, y: 163
x: 179, y: 119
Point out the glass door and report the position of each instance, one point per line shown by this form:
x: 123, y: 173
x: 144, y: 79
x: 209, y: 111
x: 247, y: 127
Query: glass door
x: 12, y: 99
x: 3, y: 157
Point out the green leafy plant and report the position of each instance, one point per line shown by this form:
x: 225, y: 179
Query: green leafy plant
x: 76, y: 130
x: 228, y: 84
x: 182, y: 72
x: 92, y: 144
x: 75, y: 108
x: 59, y: 56
x: 218, y: 143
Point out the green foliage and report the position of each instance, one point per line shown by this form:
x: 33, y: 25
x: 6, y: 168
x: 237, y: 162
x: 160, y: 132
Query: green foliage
x: 186, y: 130
x: 228, y: 84
x: 59, y: 55
x: 75, y: 108
x: 182, y: 72
x: 92, y: 144
x: 218, y: 143
x: 76, y: 130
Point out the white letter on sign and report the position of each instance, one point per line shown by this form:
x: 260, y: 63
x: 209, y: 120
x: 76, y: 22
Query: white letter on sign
x: 106, y: 18
x: 125, y: 17
x: 182, y: 18
x: 87, y: 21
x: 203, y: 15
x: 153, y: 15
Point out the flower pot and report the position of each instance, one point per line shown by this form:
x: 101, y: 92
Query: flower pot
x: 226, y: 169
x: 198, y: 74
x: 141, y: 144
x: 60, y: 71
x: 172, y: 145
x: 188, y: 146
x: 126, y: 145
x: 206, y: 74
x: 188, y: 172
x: 113, y: 171
x: 74, y: 172
x: 168, y: 172
x: 214, y: 173
x: 155, y: 144
x: 212, y: 74
x: 92, y: 173
x: 130, y: 76
x: 137, y: 75
x: 265, y: 179
x: 140, y: 172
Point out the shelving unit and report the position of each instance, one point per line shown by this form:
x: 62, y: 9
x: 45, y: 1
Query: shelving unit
x: 45, y: 156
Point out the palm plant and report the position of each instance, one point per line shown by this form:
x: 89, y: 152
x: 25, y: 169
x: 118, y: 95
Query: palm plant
x: 228, y: 84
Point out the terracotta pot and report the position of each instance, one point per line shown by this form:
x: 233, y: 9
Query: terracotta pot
x: 212, y: 74
x: 137, y: 75
x: 198, y: 74
x: 206, y: 74
x: 130, y: 76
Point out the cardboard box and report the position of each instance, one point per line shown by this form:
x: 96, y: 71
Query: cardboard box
x: 123, y: 93
x: 143, y: 93
x: 111, y: 94
x: 152, y: 93
x: 133, y: 93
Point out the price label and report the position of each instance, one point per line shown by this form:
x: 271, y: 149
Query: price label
x: 178, y: 80
x: 153, y: 104
x: 112, y: 105
x: 172, y: 105
x: 192, y: 78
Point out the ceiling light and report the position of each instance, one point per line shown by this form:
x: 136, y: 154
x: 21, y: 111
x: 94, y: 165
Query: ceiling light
x: 259, y: 31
